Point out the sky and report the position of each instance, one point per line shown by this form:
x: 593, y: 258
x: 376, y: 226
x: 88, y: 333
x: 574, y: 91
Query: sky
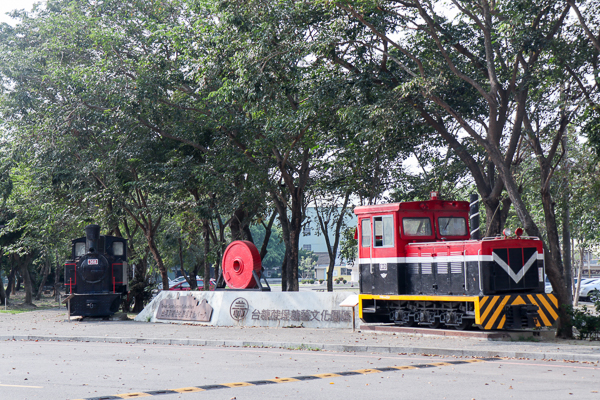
x: 9, y: 5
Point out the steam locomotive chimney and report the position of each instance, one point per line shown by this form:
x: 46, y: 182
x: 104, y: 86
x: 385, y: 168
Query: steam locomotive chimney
x: 474, y: 216
x: 92, y: 234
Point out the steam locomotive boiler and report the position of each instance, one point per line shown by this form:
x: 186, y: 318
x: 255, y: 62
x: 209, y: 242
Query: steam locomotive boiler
x: 418, y: 266
x: 96, y: 275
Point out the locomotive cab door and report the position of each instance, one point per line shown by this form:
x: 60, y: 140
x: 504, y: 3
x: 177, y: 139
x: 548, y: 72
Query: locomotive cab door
x: 365, y: 257
x: 378, y: 241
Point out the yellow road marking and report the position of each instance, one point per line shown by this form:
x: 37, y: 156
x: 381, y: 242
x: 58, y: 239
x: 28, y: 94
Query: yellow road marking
x: 279, y: 380
x: 326, y: 375
x: 238, y: 384
x: 366, y: 371
x: 282, y: 380
x: 188, y: 390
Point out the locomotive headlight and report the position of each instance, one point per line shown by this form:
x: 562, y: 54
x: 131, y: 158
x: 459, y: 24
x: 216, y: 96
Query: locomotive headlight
x: 519, y: 232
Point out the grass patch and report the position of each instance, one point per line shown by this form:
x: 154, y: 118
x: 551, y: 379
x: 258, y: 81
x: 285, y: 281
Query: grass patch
x: 13, y: 311
x: 16, y: 306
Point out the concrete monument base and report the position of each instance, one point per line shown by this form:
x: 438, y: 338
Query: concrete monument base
x: 251, y: 308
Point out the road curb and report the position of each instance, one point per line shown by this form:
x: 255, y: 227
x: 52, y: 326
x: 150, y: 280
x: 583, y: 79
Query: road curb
x: 589, y: 358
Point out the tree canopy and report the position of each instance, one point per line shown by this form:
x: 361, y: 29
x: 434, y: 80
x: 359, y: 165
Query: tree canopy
x: 183, y: 124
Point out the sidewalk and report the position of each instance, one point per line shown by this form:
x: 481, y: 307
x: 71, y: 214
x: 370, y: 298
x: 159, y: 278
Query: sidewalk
x: 51, y: 325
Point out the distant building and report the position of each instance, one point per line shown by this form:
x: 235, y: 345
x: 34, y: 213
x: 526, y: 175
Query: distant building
x: 312, y: 239
x: 591, y: 266
x: 338, y: 272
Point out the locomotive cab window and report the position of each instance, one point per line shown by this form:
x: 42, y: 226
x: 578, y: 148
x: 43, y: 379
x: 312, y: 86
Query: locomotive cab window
x: 383, y: 234
x: 365, y: 237
x: 452, y: 226
x: 416, y: 226
x: 79, y: 249
x: 118, y: 248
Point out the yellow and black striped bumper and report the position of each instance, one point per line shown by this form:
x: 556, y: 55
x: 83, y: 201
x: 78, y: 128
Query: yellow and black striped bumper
x: 490, y: 311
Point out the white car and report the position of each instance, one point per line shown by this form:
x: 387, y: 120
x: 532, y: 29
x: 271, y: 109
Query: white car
x: 588, y: 289
x: 548, y: 285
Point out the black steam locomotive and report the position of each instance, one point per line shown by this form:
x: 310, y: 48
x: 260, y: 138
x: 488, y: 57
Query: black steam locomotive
x: 96, y: 275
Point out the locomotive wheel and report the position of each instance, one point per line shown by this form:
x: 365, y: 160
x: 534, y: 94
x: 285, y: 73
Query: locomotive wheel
x: 239, y: 260
x: 436, y: 324
x: 464, y: 325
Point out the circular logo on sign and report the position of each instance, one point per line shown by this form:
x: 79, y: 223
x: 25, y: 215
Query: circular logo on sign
x: 239, y: 309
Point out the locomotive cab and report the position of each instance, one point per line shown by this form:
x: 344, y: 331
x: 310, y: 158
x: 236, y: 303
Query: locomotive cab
x: 417, y: 265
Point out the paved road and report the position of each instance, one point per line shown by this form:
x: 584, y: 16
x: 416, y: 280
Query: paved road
x: 78, y: 370
x: 52, y: 325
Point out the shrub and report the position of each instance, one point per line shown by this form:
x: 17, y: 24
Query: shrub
x: 586, y: 321
x: 320, y: 280
x: 345, y: 281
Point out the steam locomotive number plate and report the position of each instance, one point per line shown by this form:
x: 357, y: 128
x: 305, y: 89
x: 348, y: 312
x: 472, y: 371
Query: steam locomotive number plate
x: 93, y: 261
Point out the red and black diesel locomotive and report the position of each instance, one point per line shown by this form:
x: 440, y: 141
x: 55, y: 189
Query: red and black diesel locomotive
x: 96, y: 276
x: 420, y: 266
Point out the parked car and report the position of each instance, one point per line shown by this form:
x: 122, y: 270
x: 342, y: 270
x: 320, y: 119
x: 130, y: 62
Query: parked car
x: 590, y: 290
x: 186, y: 286
x: 548, y: 286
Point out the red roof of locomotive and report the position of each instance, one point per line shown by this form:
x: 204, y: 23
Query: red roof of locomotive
x: 431, y: 205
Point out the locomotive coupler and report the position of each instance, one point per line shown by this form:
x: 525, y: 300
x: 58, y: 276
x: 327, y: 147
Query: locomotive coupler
x: 520, y: 316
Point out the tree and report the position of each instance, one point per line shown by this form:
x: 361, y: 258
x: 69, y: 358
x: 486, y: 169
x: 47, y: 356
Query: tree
x: 332, y: 211
x: 479, y: 71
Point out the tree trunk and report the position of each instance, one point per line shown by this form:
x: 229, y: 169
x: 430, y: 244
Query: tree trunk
x: 552, y: 256
x: 566, y: 237
x: 286, y: 236
x: 268, y: 231
x: 2, y: 291
x: 10, y: 287
x: 206, y: 232
x: 139, y: 284
x: 159, y: 261
x: 496, y: 213
x: 191, y: 279
x: 576, y: 294
x: 57, y: 279
x: 45, y: 274
x: 27, y: 281
x: 239, y: 225
x: 284, y: 271
x: 236, y: 223
x: 3, y: 298
x: 295, y: 228
x: 332, y: 249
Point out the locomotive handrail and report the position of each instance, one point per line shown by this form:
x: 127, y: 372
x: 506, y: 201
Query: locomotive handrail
x: 507, y: 237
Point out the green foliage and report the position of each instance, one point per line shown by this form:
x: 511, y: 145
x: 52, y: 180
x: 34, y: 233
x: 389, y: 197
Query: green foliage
x: 586, y: 321
x: 307, y: 263
x: 275, y: 248
x: 349, y: 245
